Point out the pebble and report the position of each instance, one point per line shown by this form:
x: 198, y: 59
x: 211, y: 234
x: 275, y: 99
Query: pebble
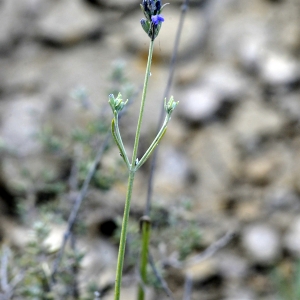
x: 240, y: 293
x: 248, y: 211
x: 11, y: 24
x: 54, y: 239
x: 282, y: 199
x: 21, y: 123
x: 262, y: 243
x: 68, y: 22
x: 290, y: 104
x: 292, y: 237
x: 260, y: 170
x: 215, y: 161
x: 250, y: 52
x: 100, y: 258
x: 232, y: 266
x: 264, y: 122
x: 172, y: 171
x: 199, y: 104
x: 199, y: 272
x: 227, y: 81
x: 219, y: 86
x: 278, y: 69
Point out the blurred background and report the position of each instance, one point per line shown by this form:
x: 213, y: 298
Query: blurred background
x: 230, y: 161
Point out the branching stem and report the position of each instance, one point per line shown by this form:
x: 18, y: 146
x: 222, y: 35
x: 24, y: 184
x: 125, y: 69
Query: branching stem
x: 132, y: 171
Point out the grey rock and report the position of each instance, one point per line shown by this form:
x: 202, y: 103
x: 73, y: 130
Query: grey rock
x: 282, y: 199
x: 172, y: 172
x: 198, y: 272
x: 262, y: 243
x: 17, y: 21
x: 279, y: 69
x: 67, y: 22
x: 220, y: 85
x: 21, y: 124
x: 260, y: 170
x: 290, y: 104
x: 100, y: 257
x: 240, y: 294
x: 199, y: 104
x: 292, y: 237
x: 253, y: 120
x: 12, y: 23
x: 227, y: 81
x: 250, y: 53
x: 232, y: 266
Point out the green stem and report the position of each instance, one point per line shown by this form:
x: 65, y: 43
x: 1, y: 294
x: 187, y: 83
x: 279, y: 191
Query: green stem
x: 132, y: 171
x: 146, y: 230
x: 138, y: 129
x: 123, y: 236
x: 118, y: 141
x: 153, y: 145
x: 121, y: 142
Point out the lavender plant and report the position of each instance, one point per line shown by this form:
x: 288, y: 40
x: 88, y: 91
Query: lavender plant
x: 151, y: 24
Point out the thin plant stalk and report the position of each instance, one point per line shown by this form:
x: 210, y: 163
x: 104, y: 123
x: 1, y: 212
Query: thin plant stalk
x: 132, y: 171
x: 146, y: 232
x: 138, y: 129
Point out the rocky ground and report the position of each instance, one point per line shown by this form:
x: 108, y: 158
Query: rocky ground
x: 230, y: 161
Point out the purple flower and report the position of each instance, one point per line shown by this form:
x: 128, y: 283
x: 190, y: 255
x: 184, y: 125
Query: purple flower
x: 151, y: 8
x: 157, y: 19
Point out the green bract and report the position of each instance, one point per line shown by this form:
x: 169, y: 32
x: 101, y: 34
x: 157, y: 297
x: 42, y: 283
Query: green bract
x: 171, y: 105
x: 116, y: 104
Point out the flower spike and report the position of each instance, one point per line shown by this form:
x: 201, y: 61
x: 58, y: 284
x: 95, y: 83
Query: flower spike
x: 153, y: 21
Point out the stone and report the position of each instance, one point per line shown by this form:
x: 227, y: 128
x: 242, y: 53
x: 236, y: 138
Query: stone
x: 217, y: 91
x: 260, y: 170
x: 290, y: 104
x: 68, y: 22
x: 199, y: 104
x: 54, y: 240
x: 262, y: 243
x: 232, y: 266
x: 250, y: 52
x: 172, y: 171
x: 292, y: 237
x: 278, y: 69
x: 227, y: 81
x: 99, y: 262
x: 282, y: 199
x: 17, y: 20
x: 21, y: 121
x: 214, y: 157
x: 11, y: 24
x: 240, y: 293
x: 232, y: 22
x: 201, y: 271
x: 253, y: 120
x: 248, y: 211
x: 14, y: 234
